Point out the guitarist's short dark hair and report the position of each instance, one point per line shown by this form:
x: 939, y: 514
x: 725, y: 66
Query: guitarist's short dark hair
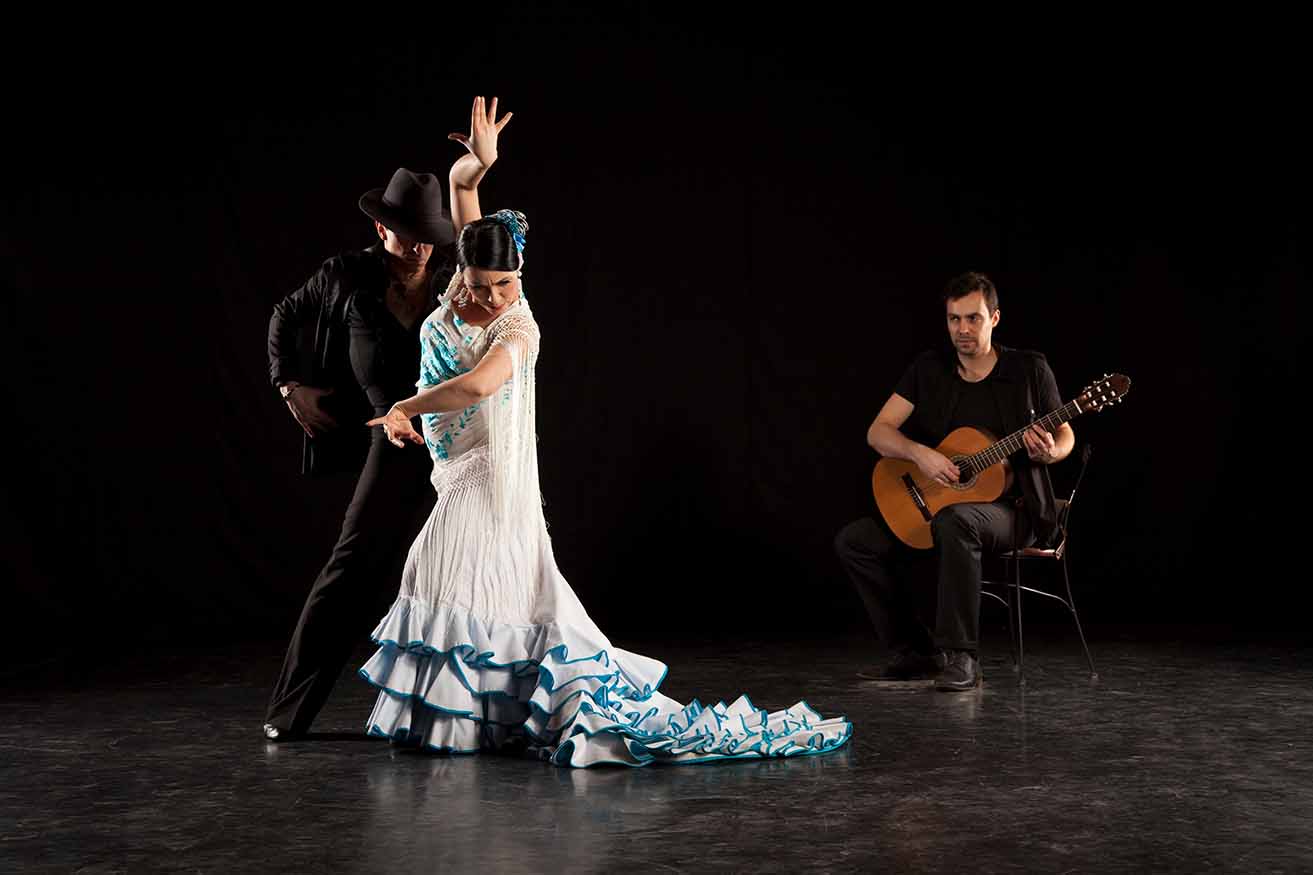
x: 964, y: 284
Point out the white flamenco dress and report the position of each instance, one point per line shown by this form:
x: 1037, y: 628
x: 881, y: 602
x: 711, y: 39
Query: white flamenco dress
x: 487, y: 645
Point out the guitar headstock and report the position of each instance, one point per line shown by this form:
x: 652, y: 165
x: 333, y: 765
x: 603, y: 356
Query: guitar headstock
x: 1104, y: 392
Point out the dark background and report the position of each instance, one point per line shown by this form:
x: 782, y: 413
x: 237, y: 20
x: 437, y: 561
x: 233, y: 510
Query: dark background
x: 740, y: 225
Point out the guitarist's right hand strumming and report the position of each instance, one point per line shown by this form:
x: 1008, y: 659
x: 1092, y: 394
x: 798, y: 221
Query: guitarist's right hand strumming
x: 884, y: 436
x: 935, y: 465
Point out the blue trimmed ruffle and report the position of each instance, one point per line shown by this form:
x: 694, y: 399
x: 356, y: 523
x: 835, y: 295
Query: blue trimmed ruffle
x: 452, y: 682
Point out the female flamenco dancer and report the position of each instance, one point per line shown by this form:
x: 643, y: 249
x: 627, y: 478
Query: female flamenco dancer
x: 486, y: 646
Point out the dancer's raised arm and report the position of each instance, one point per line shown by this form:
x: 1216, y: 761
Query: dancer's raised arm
x: 469, y: 169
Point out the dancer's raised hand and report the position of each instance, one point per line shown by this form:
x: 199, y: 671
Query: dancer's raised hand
x: 482, y: 138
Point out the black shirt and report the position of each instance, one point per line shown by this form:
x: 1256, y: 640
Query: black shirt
x: 384, y: 353
x: 1023, y: 389
x: 977, y: 407
x: 321, y: 336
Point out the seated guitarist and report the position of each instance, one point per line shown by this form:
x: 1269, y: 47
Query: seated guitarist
x: 988, y: 387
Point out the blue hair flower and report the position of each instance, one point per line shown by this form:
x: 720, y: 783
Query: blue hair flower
x: 516, y: 223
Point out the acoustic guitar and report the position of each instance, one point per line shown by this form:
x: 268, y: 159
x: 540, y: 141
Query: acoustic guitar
x: 908, y: 501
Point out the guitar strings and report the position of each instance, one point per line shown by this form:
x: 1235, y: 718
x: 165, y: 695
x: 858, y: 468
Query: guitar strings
x: 1000, y: 450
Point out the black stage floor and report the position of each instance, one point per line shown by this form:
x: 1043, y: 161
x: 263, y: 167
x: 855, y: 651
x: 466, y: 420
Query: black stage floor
x: 1182, y: 757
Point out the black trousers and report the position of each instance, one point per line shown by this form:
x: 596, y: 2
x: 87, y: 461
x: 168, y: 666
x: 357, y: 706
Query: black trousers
x: 393, y: 497
x: 926, y: 599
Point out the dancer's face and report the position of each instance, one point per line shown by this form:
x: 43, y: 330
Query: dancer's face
x: 413, y: 256
x: 494, y: 290
x: 970, y: 324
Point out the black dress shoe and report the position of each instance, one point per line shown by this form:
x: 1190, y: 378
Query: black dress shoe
x: 907, y: 667
x: 962, y: 673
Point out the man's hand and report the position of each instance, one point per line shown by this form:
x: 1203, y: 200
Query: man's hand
x: 1040, y: 445
x: 936, y: 466
x: 306, y: 404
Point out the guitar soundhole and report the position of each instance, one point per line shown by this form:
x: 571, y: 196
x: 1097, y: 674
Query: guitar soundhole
x: 965, y: 473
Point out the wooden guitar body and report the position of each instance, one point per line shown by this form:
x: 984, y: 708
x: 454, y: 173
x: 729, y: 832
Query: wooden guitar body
x: 908, y: 501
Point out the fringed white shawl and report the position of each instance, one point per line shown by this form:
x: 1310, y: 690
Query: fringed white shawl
x: 512, y: 437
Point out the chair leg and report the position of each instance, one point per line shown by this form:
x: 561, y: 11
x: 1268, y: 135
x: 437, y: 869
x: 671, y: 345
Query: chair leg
x: 1021, y: 642
x: 1071, y: 603
x: 1012, y: 627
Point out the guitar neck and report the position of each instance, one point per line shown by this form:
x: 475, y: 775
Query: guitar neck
x: 997, y: 452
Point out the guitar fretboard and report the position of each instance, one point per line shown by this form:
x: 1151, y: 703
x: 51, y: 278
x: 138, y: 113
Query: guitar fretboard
x: 995, y: 453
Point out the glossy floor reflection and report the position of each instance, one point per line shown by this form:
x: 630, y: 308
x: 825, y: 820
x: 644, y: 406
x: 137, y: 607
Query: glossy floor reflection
x: 1182, y: 757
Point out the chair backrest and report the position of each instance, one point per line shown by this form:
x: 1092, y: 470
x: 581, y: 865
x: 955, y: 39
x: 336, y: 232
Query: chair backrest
x: 1064, y: 506
x: 1064, y: 510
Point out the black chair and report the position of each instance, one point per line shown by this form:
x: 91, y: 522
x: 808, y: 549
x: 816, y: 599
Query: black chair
x: 1013, y: 588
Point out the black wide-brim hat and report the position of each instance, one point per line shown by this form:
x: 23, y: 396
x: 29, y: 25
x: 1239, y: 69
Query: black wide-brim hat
x: 411, y: 207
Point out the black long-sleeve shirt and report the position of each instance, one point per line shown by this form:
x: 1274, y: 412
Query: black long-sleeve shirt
x: 319, y: 332
x: 384, y: 353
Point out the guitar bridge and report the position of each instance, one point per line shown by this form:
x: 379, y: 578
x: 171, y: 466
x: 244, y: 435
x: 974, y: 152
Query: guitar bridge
x: 916, y: 497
